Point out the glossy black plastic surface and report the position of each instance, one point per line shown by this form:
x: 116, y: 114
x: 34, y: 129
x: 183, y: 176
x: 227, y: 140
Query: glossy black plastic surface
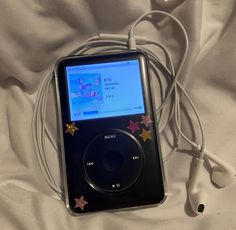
x: 93, y: 181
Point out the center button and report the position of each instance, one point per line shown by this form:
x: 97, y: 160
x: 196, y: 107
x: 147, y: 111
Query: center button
x: 113, y: 160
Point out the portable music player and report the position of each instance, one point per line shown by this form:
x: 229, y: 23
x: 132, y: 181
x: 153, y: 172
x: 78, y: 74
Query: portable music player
x: 109, y: 141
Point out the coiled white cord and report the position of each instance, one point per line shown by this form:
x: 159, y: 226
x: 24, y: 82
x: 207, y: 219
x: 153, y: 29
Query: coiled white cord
x: 113, y: 43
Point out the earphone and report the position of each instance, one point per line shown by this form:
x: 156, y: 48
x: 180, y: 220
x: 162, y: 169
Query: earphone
x: 168, y: 4
x: 197, y: 198
x: 222, y: 173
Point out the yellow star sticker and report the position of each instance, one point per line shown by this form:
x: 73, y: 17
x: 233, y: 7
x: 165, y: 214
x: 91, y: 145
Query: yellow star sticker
x: 71, y: 128
x: 146, y: 134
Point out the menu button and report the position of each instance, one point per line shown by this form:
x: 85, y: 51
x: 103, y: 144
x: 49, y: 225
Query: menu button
x: 111, y: 136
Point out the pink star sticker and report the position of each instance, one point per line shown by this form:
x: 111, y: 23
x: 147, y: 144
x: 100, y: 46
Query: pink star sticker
x: 133, y: 126
x: 146, y: 120
x: 80, y: 203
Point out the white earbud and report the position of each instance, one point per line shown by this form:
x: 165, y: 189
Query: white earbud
x: 197, y: 198
x: 167, y: 4
x: 223, y: 173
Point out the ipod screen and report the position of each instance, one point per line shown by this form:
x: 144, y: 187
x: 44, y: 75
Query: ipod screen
x: 104, y: 90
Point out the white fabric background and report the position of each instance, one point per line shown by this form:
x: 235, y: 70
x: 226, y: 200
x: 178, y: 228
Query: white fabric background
x: 35, y: 33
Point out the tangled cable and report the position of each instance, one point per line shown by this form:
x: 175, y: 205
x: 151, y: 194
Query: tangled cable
x: 113, y: 43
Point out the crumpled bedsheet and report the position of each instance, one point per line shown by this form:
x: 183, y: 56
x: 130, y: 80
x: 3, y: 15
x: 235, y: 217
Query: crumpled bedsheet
x: 35, y: 33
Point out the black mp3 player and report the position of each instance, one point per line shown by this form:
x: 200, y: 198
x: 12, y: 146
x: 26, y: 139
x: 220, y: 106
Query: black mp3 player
x: 109, y: 140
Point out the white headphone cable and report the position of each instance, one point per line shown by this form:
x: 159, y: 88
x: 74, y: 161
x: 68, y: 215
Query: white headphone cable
x: 39, y: 126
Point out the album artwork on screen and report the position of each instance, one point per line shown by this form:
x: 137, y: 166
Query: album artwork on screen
x: 106, y: 89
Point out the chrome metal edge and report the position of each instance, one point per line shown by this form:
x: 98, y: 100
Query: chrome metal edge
x: 163, y: 171
x: 58, y: 104
x: 110, y: 211
x: 63, y: 152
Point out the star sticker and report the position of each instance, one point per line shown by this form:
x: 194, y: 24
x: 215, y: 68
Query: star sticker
x: 133, y: 126
x: 71, y: 128
x: 80, y: 203
x: 146, y: 134
x: 146, y: 120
